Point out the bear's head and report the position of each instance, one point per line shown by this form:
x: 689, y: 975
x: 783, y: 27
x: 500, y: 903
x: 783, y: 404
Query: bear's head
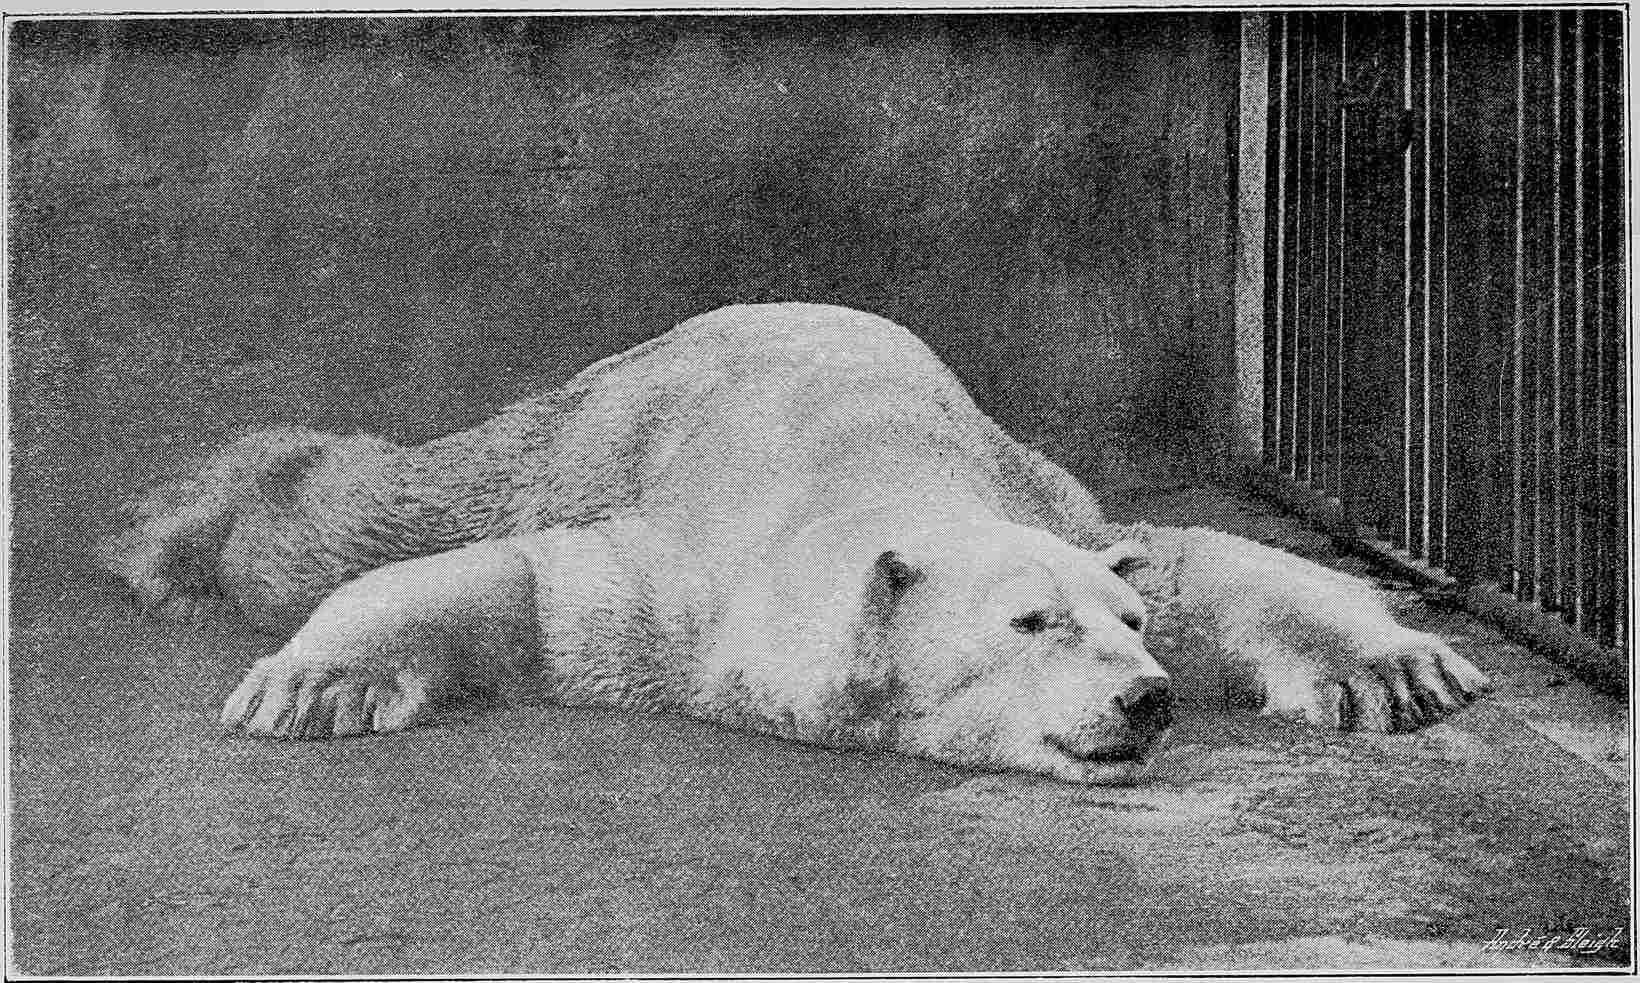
x: 981, y: 643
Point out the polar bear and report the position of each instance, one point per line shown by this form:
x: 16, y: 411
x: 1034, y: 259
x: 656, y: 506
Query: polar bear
x: 789, y: 518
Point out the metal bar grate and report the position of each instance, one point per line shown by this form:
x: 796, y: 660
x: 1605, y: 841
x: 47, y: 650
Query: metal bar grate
x: 1445, y: 345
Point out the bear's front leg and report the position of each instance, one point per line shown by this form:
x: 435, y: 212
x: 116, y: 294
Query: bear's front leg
x: 1255, y: 626
x: 384, y: 650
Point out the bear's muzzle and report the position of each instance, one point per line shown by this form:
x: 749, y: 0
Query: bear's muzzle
x: 1138, y: 717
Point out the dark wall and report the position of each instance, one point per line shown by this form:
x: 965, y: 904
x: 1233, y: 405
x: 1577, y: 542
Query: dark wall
x: 399, y: 225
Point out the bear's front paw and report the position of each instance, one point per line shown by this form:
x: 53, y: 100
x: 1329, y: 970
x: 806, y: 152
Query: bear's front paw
x: 297, y: 700
x: 1414, y: 684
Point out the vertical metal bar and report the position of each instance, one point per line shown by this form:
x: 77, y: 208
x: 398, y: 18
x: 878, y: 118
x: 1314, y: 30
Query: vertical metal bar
x: 1590, y: 574
x: 1327, y: 120
x: 1406, y: 288
x: 1274, y: 244
x: 1303, y: 383
x: 1601, y: 506
x: 1289, y: 232
x: 1314, y: 421
x: 1299, y: 265
x: 1511, y: 576
x: 1342, y: 119
x: 1278, y: 296
x: 1536, y: 287
x: 1567, y: 289
x: 1445, y: 288
x: 1613, y: 278
x: 1436, y: 310
x: 1415, y: 286
x: 1580, y: 349
x: 1424, y: 314
x: 1552, y: 590
x: 1541, y: 289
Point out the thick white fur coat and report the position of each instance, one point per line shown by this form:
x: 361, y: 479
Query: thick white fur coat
x: 785, y: 517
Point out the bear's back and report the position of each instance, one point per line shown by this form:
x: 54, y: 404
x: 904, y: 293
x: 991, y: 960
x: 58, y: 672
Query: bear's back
x: 736, y: 416
x: 765, y: 348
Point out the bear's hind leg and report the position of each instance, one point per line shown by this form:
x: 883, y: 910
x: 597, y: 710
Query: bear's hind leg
x: 237, y: 533
x: 384, y: 651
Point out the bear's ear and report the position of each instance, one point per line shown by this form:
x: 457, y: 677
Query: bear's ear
x: 894, y: 573
x: 886, y: 583
x: 1125, y: 557
x: 891, y: 577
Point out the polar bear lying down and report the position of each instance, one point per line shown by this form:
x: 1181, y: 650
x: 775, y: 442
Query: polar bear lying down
x: 789, y: 518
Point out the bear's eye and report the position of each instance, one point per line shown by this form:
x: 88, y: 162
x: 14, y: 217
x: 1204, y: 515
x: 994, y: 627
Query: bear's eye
x: 1030, y: 623
x: 1134, y: 621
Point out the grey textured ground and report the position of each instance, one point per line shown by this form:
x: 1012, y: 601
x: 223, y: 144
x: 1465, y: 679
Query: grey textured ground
x: 549, y: 840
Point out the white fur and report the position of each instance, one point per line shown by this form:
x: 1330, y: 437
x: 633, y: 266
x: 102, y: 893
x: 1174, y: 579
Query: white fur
x: 789, y: 518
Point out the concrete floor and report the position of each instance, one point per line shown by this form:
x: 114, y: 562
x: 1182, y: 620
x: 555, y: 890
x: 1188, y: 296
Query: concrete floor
x: 549, y: 840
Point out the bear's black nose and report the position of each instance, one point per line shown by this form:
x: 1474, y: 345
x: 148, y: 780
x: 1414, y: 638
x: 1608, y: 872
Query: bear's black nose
x: 1147, y: 704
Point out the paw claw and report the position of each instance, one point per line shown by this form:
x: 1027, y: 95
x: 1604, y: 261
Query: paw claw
x: 1370, y: 702
x: 1412, y: 686
x: 238, y: 707
x: 349, y: 709
x: 1461, y: 676
x: 283, y: 698
x: 1406, y: 714
x: 1343, y: 704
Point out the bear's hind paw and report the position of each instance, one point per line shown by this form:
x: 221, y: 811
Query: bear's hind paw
x: 1411, y: 686
x: 309, y: 704
x: 167, y: 603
